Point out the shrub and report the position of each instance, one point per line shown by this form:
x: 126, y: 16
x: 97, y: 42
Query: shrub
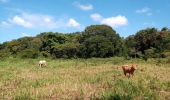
x: 29, y: 53
x: 45, y: 54
x: 166, y: 54
x: 4, y: 54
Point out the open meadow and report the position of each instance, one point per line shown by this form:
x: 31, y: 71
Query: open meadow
x: 84, y: 50
x: 95, y: 78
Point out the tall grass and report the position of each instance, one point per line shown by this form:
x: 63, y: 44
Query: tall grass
x: 95, y: 78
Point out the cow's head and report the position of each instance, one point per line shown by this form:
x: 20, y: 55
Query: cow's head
x: 134, y: 66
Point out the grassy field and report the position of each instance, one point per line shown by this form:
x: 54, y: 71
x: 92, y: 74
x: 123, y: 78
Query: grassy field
x: 95, y: 78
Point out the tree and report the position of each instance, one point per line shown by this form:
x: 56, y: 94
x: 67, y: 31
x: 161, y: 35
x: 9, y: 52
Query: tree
x: 51, y: 39
x: 131, y: 45
x: 145, y: 39
x: 100, y: 41
x: 149, y: 42
x: 66, y: 50
x: 29, y: 53
x: 94, y: 41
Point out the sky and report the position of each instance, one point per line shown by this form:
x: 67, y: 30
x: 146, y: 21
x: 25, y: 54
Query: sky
x: 19, y: 18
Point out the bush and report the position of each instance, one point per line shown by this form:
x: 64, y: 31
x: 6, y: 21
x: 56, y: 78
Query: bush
x: 150, y: 52
x: 29, y: 53
x: 165, y: 54
x: 45, y: 54
x: 67, y: 50
x: 4, y: 54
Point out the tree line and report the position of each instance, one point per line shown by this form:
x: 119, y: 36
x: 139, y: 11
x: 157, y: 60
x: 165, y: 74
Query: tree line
x: 94, y: 41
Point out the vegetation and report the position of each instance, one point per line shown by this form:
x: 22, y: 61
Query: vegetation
x: 149, y: 43
x: 95, y: 41
x: 99, y: 76
x: 94, y: 78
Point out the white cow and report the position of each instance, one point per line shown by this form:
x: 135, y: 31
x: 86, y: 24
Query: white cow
x: 42, y: 63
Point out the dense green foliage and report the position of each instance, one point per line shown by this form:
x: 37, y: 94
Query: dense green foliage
x: 100, y: 41
x: 149, y: 43
x: 94, y: 41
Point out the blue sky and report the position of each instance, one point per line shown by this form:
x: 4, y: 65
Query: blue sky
x: 20, y: 18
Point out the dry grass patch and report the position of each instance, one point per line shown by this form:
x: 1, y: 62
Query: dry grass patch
x: 83, y: 79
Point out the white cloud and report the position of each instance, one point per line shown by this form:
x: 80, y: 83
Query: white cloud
x: 25, y: 34
x: 21, y: 21
x: 39, y: 21
x: 73, y: 23
x: 115, y: 21
x: 96, y: 17
x: 36, y: 21
x: 145, y: 10
x: 86, y: 7
x: 111, y: 21
x: 4, y: 24
x: 4, y: 1
x: 83, y: 6
x: 149, y: 24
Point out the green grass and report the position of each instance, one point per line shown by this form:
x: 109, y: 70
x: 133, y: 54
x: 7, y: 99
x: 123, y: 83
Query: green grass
x: 95, y: 78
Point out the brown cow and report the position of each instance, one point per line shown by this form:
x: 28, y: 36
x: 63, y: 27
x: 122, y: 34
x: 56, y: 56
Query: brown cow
x: 129, y: 69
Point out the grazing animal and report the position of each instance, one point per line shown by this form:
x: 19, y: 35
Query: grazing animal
x: 42, y: 63
x: 129, y: 69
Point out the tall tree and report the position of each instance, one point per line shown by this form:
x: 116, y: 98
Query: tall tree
x: 100, y: 41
